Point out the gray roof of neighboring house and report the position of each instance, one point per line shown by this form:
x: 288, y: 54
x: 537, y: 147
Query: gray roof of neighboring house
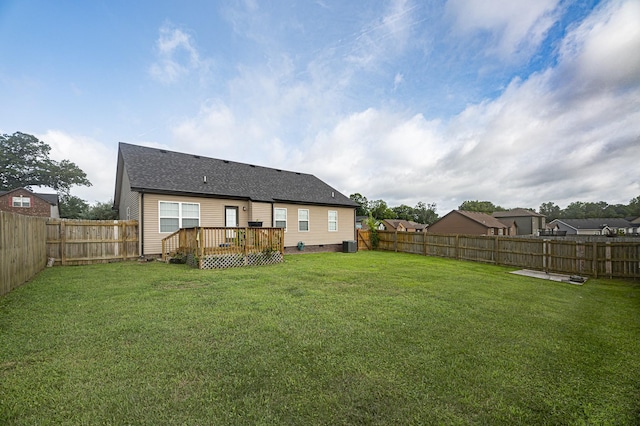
x: 516, y: 213
x: 408, y: 224
x: 597, y: 223
x: 163, y: 171
x: 483, y: 218
x: 49, y: 198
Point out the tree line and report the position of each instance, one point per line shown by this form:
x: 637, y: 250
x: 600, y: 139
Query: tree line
x: 25, y: 162
x: 575, y: 210
x: 426, y: 213
x: 379, y: 210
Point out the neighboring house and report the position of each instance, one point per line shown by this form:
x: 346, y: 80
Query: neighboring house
x: 528, y: 222
x: 167, y: 190
x: 23, y: 201
x: 598, y: 226
x: 471, y: 223
x: 403, y: 225
x: 361, y: 222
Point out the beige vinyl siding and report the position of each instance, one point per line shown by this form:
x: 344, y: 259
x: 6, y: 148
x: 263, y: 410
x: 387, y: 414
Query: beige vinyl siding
x: 211, y: 214
x: 318, y: 232
x: 128, y: 198
x: 261, y: 212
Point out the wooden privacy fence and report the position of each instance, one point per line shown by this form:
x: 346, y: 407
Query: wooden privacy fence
x: 83, y: 242
x: 209, y: 248
x: 22, y: 249
x: 610, y: 258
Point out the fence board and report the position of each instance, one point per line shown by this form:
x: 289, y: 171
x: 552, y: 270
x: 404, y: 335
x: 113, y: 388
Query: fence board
x: 22, y: 249
x: 589, y: 256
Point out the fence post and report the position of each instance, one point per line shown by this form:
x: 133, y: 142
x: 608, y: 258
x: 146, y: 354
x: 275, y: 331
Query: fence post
x: 608, y: 268
x: 457, y: 247
x: 545, y: 261
x: 594, y: 261
x: 580, y: 257
x: 496, y: 251
x: 424, y: 242
x: 395, y: 241
x: 63, y: 249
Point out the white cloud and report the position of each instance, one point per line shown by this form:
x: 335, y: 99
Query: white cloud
x: 385, y: 38
x: 554, y: 135
x: 177, y: 56
x: 515, y: 28
x: 602, y: 52
x: 96, y: 159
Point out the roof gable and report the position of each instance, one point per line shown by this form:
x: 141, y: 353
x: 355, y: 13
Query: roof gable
x: 593, y: 223
x: 49, y: 198
x: 163, y: 171
x: 483, y: 219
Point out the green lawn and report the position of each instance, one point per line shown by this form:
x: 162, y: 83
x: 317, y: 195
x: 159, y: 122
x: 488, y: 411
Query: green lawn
x: 365, y: 338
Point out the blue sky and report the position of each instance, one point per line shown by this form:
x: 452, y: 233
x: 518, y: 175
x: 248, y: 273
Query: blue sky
x: 514, y: 102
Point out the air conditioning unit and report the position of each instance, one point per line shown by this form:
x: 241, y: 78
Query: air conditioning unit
x: 349, y: 246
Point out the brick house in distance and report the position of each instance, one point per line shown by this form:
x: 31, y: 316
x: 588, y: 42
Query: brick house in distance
x: 22, y: 201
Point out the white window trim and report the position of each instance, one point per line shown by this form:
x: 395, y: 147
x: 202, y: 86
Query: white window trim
x: 20, y: 201
x: 275, y: 217
x: 330, y: 221
x: 308, y: 220
x: 180, y: 216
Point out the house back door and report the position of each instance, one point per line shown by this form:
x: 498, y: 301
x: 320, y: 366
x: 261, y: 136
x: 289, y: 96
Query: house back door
x: 231, y: 220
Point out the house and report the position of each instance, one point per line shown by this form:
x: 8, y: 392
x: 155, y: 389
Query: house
x: 528, y: 222
x: 471, y: 223
x: 361, y: 222
x: 166, y: 190
x: 28, y: 203
x: 403, y: 225
x: 598, y: 226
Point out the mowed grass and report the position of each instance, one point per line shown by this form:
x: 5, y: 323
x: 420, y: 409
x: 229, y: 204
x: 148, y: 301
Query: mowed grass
x: 365, y: 338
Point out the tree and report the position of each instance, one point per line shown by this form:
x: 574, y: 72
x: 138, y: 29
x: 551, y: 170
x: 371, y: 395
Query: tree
x: 25, y: 162
x: 380, y: 210
x: 72, y: 207
x: 480, y: 206
x: 101, y: 211
x: 550, y: 210
x: 404, y: 212
x: 426, y: 213
x: 634, y: 207
x: 575, y: 210
x: 363, y: 209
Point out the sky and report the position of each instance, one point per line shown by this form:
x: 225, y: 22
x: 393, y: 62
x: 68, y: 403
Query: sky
x: 440, y: 101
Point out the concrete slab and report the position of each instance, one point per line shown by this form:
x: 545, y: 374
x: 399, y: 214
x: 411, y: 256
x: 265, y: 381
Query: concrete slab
x: 549, y: 276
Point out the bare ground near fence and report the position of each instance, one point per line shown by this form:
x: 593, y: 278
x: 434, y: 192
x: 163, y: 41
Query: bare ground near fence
x: 607, y: 257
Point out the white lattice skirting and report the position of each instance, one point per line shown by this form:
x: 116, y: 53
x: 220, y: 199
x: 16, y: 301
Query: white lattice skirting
x: 222, y: 261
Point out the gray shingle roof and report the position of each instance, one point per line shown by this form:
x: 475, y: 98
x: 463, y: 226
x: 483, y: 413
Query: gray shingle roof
x: 162, y: 171
x: 49, y: 198
x: 483, y: 218
x: 598, y: 223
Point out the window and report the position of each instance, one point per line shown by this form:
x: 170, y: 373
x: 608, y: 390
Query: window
x: 281, y: 218
x: 190, y: 215
x: 174, y: 216
x: 21, y: 201
x: 333, y: 220
x: 303, y: 220
x: 128, y: 212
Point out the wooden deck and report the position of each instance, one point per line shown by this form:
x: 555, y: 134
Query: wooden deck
x: 203, y: 242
